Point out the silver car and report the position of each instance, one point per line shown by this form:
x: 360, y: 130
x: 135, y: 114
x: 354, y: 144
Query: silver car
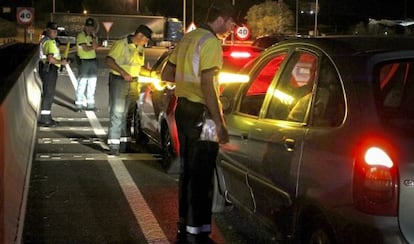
x: 322, y: 140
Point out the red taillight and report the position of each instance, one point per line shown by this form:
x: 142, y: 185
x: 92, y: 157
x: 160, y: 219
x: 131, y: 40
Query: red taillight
x: 375, y: 182
x: 240, y: 54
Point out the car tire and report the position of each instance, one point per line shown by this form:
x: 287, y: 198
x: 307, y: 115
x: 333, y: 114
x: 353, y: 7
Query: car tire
x: 316, y: 231
x: 170, y: 159
x: 219, y: 200
x: 139, y: 135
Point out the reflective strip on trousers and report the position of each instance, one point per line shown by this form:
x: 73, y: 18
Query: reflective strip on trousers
x: 198, y: 230
x: 45, y: 112
x: 114, y: 141
x: 126, y: 139
x: 80, y: 103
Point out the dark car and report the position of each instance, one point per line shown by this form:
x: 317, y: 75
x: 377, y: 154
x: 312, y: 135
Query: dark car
x: 321, y: 140
x: 154, y: 118
x: 266, y: 41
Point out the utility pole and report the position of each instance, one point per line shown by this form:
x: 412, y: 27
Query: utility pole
x: 184, y: 16
x: 316, y: 18
x: 297, y: 18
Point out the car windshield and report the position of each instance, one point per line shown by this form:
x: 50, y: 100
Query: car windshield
x: 395, y: 93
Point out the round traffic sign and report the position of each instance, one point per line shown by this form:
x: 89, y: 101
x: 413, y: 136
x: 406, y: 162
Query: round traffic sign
x: 242, y: 32
x: 25, y: 15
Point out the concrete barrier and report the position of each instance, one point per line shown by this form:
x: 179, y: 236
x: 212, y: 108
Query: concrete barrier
x: 20, y: 95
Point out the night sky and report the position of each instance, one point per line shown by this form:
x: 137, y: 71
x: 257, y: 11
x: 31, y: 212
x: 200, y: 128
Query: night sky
x: 363, y: 9
x: 331, y: 11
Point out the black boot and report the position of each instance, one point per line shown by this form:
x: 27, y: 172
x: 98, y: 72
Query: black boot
x: 181, y: 234
x: 47, y: 121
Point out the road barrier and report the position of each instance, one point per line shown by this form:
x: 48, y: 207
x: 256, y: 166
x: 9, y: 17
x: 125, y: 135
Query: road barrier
x: 20, y: 96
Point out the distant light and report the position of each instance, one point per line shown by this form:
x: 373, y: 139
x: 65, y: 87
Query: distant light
x: 85, y: 11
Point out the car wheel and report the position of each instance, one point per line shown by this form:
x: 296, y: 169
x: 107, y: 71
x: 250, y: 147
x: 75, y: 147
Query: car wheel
x: 219, y: 200
x: 317, y: 232
x: 139, y: 135
x: 167, y: 149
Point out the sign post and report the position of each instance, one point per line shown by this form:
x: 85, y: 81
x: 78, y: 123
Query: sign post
x: 242, y: 33
x: 25, y: 17
x: 108, y: 26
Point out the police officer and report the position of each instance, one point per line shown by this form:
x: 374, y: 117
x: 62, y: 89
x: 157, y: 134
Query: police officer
x: 194, y: 65
x: 87, y: 43
x: 50, y: 62
x: 125, y: 59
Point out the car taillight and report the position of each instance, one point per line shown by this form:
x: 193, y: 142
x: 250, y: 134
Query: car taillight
x: 375, y: 188
x: 239, y: 54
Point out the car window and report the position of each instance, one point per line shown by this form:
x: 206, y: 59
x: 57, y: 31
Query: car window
x: 160, y: 63
x: 253, y: 98
x: 293, y: 92
x: 396, y: 89
x: 328, y: 107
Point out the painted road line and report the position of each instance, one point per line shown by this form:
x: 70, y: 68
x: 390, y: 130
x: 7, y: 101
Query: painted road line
x: 95, y: 156
x: 97, y: 127
x: 82, y: 119
x: 149, y: 224
x: 69, y: 128
x: 70, y: 140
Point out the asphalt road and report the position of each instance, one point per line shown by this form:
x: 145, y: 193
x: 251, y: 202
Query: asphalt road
x: 79, y: 194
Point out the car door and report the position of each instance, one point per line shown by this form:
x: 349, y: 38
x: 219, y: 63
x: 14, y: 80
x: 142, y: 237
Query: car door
x: 236, y: 159
x: 275, y: 142
x: 153, y: 99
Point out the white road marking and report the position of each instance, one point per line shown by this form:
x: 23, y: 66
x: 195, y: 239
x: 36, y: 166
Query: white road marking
x: 94, y: 156
x: 149, y: 224
x: 145, y: 218
x: 142, y: 213
x: 97, y: 127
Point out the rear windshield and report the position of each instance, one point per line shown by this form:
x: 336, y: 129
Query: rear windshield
x: 395, y: 89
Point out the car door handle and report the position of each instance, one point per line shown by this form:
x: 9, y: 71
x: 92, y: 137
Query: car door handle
x: 290, y: 144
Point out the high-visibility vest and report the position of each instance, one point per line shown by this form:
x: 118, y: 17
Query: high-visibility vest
x: 128, y: 56
x: 81, y: 39
x: 198, y: 50
x: 49, y: 47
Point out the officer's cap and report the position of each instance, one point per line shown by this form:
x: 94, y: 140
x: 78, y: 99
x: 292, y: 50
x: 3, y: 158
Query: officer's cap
x: 90, y: 22
x: 145, y: 30
x: 52, y: 25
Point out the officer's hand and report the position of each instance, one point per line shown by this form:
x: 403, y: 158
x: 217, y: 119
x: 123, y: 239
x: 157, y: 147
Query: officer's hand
x: 126, y: 76
x: 222, y: 134
x: 64, y: 62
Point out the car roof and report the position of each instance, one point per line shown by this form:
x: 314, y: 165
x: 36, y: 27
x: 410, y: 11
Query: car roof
x: 356, y: 45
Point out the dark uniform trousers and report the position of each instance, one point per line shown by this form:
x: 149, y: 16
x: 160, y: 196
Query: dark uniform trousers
x: 49, y: 74
x: 198, y: 160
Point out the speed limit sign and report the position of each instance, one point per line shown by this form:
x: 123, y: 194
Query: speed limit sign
x: 25, y: 16
x: 242, y: 32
